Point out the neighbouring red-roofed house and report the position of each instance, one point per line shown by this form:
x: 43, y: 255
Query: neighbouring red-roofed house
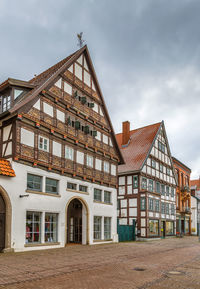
x: 146, y: 193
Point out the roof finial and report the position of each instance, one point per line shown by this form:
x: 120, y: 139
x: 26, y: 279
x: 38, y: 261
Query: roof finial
x: 80, y: 40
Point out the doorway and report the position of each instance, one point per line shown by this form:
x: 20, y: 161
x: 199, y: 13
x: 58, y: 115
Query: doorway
x: 163, y: 229
x: 74, y: 222
x: 2, y: 223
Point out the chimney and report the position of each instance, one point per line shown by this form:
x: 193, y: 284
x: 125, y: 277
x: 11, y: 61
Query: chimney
x: 125, y: 132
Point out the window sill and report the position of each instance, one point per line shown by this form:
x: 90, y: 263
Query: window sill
x: 42, y: 244
x: 101, y: 241
x: 42, y: 193
x: 103, y: 203
x: 79, y: 192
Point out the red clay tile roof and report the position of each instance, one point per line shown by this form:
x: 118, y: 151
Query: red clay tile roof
x: 139, y: 145
x: 6, y: 168
x: 195, y: 183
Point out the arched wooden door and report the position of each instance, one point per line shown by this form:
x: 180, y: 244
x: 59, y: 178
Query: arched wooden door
x: 74, y: 222
x: 2, y: 223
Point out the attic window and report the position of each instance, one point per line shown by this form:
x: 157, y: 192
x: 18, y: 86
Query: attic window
x: 6, y: 103
x: 17, y: 92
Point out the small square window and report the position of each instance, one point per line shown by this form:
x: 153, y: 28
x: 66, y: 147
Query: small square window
x: 51, y: 186
x: 97, y: 195
x: 107, y: 197
x: 71, y: 186
x: 43, y: 143
x: 83, y: 188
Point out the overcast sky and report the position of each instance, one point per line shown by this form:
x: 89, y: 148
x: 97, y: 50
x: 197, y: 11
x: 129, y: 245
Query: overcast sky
x: 146, y: 54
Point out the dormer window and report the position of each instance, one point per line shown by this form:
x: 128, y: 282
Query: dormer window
x: 17, y: 92
x: 6, y: 102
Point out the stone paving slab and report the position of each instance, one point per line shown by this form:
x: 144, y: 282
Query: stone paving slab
x: 109, y: 266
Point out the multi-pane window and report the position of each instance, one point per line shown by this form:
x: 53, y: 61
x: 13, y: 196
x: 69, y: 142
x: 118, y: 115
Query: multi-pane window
x: 153, y: 227
x: 83, y: 188
x: 153, y: 163
x: 71, y: 186
x: 144, y: 183
x: 107, y: 228
x: 97, y: 195
x: 158, y: 187
x: 163, y: 189
x: 135, y: 182
x: 51, y: 186
x: 157, y: 205
x: 142, y: 204
x: 51, y: 227
x: 6, y: 103
x: 107, y: 197
x: 161, y: 146
x: 172, y: 192
x: 168, y: 171
x: 97, y: 227
x: 90, y: 161
x: 43, y: 143
x: 163, y: 208
x: 167, y: 190
x: 172, y: 209
x: 33, y: 227
x: 161, y: 168
x: 151, y: 185
x: 106, y: 167
x: 34, y: 182
x: 150, y: 204
x: 129, y: 185
x: 167, y: 208
x: 69, y: 153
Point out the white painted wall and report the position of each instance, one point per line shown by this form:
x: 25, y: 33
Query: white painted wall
x: 43, y: 203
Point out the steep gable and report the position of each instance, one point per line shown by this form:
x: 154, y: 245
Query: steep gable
x: 71, y: 84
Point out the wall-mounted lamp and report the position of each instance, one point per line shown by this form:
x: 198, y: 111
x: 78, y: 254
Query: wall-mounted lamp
x: 22, y: 196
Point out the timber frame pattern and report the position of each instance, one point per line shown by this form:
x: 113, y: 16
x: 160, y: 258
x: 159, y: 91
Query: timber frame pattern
x: 23, y: 114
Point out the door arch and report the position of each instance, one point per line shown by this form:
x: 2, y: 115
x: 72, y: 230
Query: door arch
x: 77, y: 221
x: 5, y: 220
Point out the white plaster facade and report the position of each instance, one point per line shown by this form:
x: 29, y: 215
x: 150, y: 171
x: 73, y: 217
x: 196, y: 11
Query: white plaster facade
x: 42, y: 203
x: 194, y: 204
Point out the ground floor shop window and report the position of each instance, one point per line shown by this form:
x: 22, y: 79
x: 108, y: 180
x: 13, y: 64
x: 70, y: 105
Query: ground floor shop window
x: 169, y: 228
x: 51, y: 227
x: 186, y: 226
x: 97, y: 227
x: 107, y: 228
x: 153, y: 227
x: 33, y: 227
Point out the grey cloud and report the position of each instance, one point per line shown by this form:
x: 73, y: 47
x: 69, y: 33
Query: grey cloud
x: 146, y: 55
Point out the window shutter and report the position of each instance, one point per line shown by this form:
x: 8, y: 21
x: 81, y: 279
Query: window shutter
x: 86, y: 129
x: 77, y: 124
x: 94, y: 133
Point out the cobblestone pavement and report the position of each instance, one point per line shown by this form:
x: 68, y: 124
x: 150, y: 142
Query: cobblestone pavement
x: 111, y: 266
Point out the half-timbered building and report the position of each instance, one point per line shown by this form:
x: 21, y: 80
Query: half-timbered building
x: 147, y: 182
x: 58, y: 159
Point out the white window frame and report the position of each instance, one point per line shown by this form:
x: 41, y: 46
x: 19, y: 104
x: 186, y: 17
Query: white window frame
x: 45, y: 143
x: 69, y: 153
x: 106, y: 167
x: 89, y: 161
